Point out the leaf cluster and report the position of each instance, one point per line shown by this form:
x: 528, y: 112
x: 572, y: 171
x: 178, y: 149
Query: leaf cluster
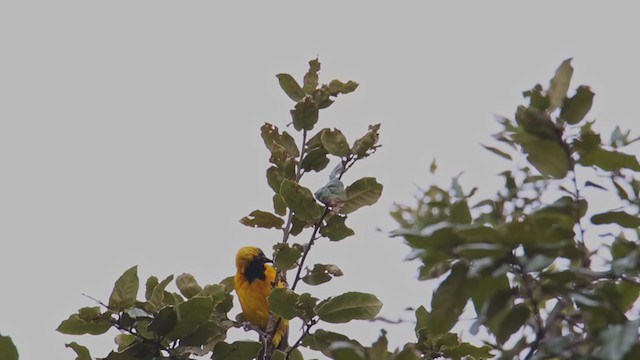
x: 521, y: 258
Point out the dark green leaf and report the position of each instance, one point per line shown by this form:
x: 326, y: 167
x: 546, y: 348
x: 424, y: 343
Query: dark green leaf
x: 290, y: 87
x: 576, y: 108
x: 349, y: 306
x: 378, y: 350
x: 151, y: 284
x: 286, y: 257
x: 124, y: 341
x: 460, y: 213
x: 305, y: 307
x: 335, y: 142
x: 81, y: 351
x: 629, y: 293
x: 305, y: 115
x: 300, y: 200
x: 279, y: 206
x: 125, y: 290
x: 449, y: 301
x: 311, y: 77
x: 362, y: 192
x: 616, y: 217
x: 422, y: 323
x: 316, y: 160
x: 609, y: 160
x: 272, y: 137
x: 321, y: 273
x: 322, y: 339
x: 515, y: 318
x: 363, y: 145
x: 338, y: 87
x: 262, y: 219
x: 190, y: 315
x: 89, y: 313
x: 8, y: 350
x: 498, y: 152
x: 239, y: 350
x: 548, y: 156
x: 188, y: 285
x: 76, y: 326
x: 335, y: 228
x: 485, y: 287
x: 141, y: 350
x: 157, y: 296
x: 559, y: 85
x: 164, y: 322
x: 282, y: 302
x: 466, y: 351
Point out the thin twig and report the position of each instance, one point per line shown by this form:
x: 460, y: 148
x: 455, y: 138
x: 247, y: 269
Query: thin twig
x: 299, y: 341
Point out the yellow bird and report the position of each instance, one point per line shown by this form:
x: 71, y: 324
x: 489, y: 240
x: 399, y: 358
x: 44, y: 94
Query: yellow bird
x: 253, y: 282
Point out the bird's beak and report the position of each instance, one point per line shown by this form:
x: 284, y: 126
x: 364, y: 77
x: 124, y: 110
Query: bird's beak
x: 265, y: 259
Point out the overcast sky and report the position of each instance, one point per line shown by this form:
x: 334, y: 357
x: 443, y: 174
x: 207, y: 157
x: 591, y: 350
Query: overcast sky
x: 129, y: 132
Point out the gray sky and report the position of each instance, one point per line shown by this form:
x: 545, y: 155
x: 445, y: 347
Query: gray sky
x: 129, y: 132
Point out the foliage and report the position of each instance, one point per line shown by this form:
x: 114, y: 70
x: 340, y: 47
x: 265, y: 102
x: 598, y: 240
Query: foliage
x: 8, y: 350
x: 522, y: 258
x: 194, y: 322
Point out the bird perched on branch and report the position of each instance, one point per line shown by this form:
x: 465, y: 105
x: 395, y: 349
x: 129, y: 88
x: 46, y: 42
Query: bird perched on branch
x: 253, y: 282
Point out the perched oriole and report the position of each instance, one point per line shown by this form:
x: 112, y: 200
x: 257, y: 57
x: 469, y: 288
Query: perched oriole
x: 253, y: 282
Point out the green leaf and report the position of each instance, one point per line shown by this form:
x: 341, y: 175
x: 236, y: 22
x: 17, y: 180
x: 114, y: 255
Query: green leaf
x: 449, y: 301
x: 321, y: 273
x: 515, y: 318
x: 300, y: 200
x: 560, y: 85
x: 157, y: 296
x: 576, y: 107
x: 89, y: 313
x: 338, y: 87
x: 321, y: 340
x: 282, y: 302
x: 76, y: 326
x: 262, y: 219
x: 124, y: 341
x: 141, y: 350
x: 190, y: 315
x: 363, y: 145
x: 460, y: 213
x: 546, y: 155
x: 362, y: 192
x: 272, y: 138
x: 286, y: 257
x: 290, y: 87
x: 239, y: 350
x: 333, y: 194
x: 422, y: 323
x: 188, y: 285
x: 164, y: 322
x: 316, y: 160
x: 378, y: 350
x: 8, y: 350
x: 335, y: 142
x: 311, y: 77
x: 498, y: 152
x: 81, y: 351
x: 609, y: 160
x: 305, y: 115
x: 485, y: 287
x: 621, y: 218
x: 279, y: 206
x: 335, y: 228
x: 151, y: 284
x: 466, y: 351
x: 349, y: 306
x: 125, y: 290
x: 618, y: 339
x: 305, y: 306
x: 629, y: 293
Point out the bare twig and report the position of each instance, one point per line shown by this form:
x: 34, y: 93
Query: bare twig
x: 306, y: 331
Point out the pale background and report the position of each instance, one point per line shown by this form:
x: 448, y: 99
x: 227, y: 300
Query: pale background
x: 130, y: 132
